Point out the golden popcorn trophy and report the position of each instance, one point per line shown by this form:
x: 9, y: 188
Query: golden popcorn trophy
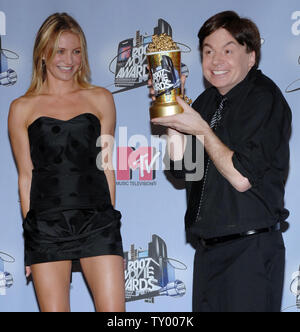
x: 164, y: 60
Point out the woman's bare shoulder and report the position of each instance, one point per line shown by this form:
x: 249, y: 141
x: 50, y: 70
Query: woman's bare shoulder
x: 98, y: 92
x: 101, y: 100
x: 21, y: 108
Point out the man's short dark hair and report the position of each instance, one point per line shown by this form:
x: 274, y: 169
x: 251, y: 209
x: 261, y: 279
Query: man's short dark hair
x: 243, y: 30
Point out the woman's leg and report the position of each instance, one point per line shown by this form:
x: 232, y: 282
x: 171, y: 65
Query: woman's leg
x: 52, y: 285
x: 105, y: 276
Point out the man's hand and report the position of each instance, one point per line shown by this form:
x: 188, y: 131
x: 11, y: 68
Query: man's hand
x: 188, y: 122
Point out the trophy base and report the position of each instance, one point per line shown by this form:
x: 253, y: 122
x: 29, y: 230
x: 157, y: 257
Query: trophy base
x: 159, y: 110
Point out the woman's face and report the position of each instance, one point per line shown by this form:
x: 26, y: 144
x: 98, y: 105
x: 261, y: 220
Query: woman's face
x: 67, y: 60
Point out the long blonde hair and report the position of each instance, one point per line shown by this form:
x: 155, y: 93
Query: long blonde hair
x: 47, y: 41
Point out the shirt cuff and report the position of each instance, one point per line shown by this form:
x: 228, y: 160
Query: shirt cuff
x: 177, y: 169
x: 238, y: 165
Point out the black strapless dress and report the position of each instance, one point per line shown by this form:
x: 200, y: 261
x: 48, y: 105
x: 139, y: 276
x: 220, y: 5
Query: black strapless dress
x: 71, y: 215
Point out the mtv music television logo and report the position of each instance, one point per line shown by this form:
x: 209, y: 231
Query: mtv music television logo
x: 130, y: 159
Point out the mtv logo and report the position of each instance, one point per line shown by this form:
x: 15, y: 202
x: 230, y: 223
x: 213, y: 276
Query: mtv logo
x: 2, y: 24
x: 129, y: 159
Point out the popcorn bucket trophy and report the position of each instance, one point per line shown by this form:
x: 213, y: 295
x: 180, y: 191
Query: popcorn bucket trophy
x: 164, y: 60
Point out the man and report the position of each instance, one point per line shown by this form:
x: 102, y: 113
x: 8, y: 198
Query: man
x: 234, y: 212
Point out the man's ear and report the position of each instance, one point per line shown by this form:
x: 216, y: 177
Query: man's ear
x: 252, y: 59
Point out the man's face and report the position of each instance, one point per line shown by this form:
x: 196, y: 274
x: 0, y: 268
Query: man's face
x: 225, y: 62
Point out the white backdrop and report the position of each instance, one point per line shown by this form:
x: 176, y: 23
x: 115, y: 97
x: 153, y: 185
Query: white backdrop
x: 153, y: 209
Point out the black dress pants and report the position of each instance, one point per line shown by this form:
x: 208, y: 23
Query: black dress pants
x: 244, y: 275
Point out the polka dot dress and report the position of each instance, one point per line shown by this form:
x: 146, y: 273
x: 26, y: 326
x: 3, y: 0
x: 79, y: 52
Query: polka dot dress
x: 71, y: 215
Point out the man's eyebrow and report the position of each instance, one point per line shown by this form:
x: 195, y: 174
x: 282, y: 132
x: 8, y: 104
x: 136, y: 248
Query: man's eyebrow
x: 227, y: 44
x: 207, y: 45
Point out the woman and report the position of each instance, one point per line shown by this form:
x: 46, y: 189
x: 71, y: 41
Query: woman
x: 66, y: 200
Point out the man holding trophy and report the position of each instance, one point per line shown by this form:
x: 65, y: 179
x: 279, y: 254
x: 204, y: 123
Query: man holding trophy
x: 234, y: 212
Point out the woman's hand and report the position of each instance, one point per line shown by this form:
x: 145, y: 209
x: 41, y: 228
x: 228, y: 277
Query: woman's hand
x: 27, y: 271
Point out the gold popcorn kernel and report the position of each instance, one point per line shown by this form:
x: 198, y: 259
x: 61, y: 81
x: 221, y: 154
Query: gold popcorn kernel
x: 162, y: 42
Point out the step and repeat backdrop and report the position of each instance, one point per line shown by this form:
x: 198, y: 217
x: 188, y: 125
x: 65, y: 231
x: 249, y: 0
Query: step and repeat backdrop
x: 158, y: 261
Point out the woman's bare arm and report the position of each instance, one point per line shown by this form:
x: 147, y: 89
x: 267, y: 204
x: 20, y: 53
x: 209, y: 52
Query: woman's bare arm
x: 107, y: 114
x: 17, y: 127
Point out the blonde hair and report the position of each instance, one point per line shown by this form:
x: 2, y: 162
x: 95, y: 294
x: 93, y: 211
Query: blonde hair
x: 46, y: 45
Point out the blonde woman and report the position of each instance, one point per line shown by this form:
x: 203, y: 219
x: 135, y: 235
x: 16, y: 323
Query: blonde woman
x: 67, y: 201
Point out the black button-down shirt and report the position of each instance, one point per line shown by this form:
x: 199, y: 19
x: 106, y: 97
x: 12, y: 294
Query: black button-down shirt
x: 256, y: 125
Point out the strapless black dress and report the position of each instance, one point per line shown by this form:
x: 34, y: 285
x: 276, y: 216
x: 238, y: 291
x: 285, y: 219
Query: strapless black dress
x: 71, y: 215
